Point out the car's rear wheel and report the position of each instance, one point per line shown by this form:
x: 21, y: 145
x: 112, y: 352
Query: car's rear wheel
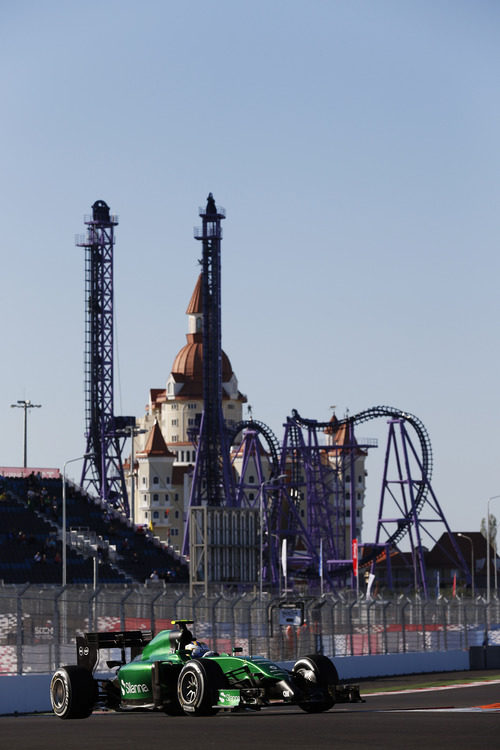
x: 315, y: 676
x: 73, y: 692
x: 198, y: 687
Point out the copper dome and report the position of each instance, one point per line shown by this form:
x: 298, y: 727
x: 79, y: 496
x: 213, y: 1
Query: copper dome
x: 188, y: 364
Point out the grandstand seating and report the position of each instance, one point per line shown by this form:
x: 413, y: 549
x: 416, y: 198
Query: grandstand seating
x: 31, y: 521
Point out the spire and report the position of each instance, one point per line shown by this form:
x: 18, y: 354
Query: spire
x: 194, y: 307
x: 156, y: 445
x: 188, y: 363
x: 211, y: 207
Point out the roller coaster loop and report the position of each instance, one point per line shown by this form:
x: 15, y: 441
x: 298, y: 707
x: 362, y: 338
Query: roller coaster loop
x: 267, y: 434
x: 376, y: 412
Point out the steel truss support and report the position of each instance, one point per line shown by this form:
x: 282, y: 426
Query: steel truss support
x: 408, y: 487
x: 212, y: 483
x: 408, y: 502
x: 259, y: 482
x: 249, y: 452
x: 311, y: 512
x: 102, y: 469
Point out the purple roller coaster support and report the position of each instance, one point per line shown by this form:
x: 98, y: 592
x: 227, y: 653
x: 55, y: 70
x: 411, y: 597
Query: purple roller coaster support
x: 249, y: 452
x: 412, y: 480
x: 310, y: 477
x: 318, y: 474
x: 407, y: 490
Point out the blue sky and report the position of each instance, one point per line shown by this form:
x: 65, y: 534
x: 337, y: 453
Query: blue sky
x: 354, y: 146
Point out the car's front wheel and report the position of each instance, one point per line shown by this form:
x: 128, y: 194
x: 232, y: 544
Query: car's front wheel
x: 316, y: 677
x: 73, y: 692
x: 198, y: 687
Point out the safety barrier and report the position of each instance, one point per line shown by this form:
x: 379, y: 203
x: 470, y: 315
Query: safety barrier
x: 30, y: 693
x: 38, y: 624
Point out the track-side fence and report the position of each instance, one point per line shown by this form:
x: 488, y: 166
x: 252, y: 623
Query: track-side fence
x: 38, y: 624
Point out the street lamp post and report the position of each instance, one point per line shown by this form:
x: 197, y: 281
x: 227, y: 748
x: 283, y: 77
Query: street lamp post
x: 495, y: 566
x: 133, y: 432
x: 495, y: 497
x: 472, y: 559
x: 23, y: 404
x: 264, y: 484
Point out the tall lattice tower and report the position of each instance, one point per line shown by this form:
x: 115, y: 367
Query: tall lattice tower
x: 103, y: 468
x: 212, y: 481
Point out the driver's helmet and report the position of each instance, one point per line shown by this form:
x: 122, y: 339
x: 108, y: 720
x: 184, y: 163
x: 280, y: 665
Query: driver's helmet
x: 196, y: 648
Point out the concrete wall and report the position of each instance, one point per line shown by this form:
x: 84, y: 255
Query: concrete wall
x: 30, y: 693
x: 384, y: 665
x: 24, y: 694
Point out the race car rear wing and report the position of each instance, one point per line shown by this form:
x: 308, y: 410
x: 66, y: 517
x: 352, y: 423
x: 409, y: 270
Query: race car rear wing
x: 89, y: 645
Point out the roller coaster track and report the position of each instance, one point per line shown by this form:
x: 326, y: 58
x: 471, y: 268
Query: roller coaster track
x: 425, y: 445
x: 267, y: 434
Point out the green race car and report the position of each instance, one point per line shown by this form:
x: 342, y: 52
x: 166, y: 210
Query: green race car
x: 174, y: 673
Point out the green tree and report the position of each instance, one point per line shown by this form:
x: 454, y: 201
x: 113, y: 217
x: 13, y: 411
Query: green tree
x: 493, y: 529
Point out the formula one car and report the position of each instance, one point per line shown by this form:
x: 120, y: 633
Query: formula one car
x: 174, y: 673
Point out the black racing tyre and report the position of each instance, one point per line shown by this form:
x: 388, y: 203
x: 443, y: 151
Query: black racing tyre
x: 316, y: 676
x: 198, y: 685
x: 73, y: 692
x: 173, y: 707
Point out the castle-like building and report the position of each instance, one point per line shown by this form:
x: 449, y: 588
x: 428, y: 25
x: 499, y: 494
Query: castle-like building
x: 165, y: 455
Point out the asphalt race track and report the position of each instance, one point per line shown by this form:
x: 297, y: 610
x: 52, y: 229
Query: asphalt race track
x: 457, y: 717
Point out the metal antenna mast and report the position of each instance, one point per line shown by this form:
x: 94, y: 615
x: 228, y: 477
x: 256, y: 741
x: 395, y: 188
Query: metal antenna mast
x: 212, y: 481
x: 102, y: 468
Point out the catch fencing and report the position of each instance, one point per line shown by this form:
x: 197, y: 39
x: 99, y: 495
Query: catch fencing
x: 38, y: 624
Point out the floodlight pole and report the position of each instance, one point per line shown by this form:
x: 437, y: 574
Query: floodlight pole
x: 23, y: 404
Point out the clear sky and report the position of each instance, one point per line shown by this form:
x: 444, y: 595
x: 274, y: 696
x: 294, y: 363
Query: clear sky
x: 355, y: 147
